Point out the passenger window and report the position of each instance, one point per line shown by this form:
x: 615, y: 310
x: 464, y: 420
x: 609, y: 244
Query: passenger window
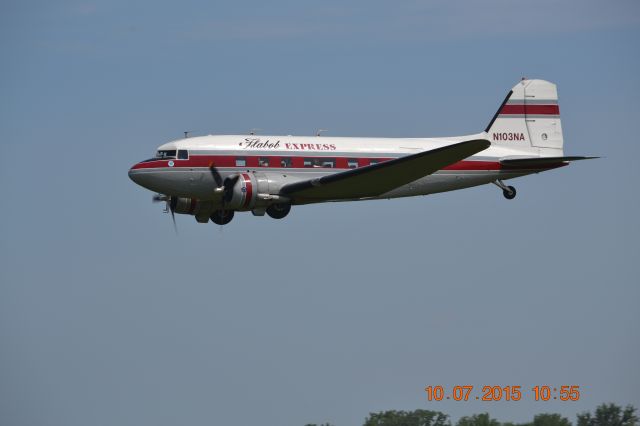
x: 183, y: 154
x: 285, y: 162
x: 328, y: 162
x: 241, y: 162
x: 352, y: 163
x: 263, y: 161
x: 319, y: 162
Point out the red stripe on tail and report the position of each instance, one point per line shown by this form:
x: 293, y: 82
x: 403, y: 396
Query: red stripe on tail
x: 530, y: 109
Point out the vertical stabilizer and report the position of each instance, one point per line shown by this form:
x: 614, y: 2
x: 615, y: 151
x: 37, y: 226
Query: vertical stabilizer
x: 529, y: 119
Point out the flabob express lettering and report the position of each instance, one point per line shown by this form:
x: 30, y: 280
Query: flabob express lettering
x: 256, y: 143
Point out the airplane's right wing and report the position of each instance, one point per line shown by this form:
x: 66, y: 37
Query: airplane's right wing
x: 377, y: 179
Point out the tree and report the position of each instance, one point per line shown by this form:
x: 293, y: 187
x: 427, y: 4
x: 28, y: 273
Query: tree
x: 478, y: 420
x: 547, y: 419
x: 407, y: 418
x: 609, y: 415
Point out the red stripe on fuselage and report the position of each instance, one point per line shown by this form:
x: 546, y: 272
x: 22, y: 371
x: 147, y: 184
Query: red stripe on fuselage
x: 473, y: 165
x: 251, y: 162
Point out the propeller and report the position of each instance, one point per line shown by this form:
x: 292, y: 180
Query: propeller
x: 224, y: 189
x: 172, y: 202
x: 229, y: 183
x: 225, y: 186
x: 216, y: 175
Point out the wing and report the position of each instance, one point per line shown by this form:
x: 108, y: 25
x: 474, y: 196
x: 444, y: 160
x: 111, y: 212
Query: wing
x: 377, y: 179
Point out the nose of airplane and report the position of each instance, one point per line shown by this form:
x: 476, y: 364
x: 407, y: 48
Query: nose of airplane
x: 150, y: 178
x: 134, y: 174
x: 142, y: 176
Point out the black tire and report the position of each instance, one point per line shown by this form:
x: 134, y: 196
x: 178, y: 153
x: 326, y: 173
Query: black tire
x: 278, y: 211
x: 222, y: 217
x: 509, y: 194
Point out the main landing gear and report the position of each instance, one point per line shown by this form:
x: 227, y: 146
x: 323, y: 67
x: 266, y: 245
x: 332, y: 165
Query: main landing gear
x: 509, y: 192
x: 278, y: 211
x: 222, y: 217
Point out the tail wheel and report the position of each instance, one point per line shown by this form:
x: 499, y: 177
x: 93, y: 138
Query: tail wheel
x: 278, y: 211
x: 509, y: 193
x: 222, y: 217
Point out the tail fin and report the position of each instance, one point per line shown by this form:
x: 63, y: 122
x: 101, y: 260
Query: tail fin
x: 529, y: 119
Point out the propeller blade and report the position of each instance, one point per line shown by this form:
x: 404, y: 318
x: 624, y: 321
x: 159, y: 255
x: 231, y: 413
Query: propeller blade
x: 229, y: 183
x: 216, y: 175
x: 173, y: 202
x: 175, y: 227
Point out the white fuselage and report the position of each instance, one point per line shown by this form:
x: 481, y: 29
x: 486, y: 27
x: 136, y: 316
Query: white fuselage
x: 287, y: 159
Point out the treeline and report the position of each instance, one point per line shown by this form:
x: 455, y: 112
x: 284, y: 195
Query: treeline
x: 604, y: 415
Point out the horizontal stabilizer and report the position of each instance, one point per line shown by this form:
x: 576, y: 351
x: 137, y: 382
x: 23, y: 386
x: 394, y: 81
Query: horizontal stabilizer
x: 541, y: 161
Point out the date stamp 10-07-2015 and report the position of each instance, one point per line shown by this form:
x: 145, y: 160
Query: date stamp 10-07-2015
x: 503, y: 393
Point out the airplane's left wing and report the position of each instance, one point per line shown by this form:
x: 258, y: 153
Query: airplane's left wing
x: 377, y: 179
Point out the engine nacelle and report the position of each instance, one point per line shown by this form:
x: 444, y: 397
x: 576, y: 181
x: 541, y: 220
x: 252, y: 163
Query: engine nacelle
x: 251, y: 190
x: 240, y: 191
x: 191, y: 206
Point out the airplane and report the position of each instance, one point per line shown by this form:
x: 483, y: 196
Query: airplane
x: 212, y: 177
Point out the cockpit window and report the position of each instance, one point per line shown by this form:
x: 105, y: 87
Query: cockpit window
x: 183, y: 154
x: 165, y: 154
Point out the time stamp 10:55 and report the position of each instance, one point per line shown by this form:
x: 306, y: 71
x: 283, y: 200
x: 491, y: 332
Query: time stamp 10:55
x: 504, y: 393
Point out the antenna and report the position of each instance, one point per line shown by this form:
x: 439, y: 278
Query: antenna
x: 319, y: 132
x: 253, y: 131
x: 186, y: 133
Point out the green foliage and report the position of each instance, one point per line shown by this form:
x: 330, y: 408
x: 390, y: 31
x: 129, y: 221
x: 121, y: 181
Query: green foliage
x: 609, y: 415
x: 605, y: 415
x: 547, y: 419
x: 407, y: 418
x: 478, y: 420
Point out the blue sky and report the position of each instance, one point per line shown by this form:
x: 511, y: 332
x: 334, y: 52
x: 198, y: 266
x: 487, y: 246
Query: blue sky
x: 108, y: 317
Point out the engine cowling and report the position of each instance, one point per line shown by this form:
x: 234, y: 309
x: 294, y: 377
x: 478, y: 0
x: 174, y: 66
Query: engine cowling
x: 192, y: 206
x: 246, y: 191
x: 240, y: 191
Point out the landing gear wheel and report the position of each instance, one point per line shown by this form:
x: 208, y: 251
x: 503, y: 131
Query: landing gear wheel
x: 278, y: 211
x: 509, y: 193
x: 222, y: 217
